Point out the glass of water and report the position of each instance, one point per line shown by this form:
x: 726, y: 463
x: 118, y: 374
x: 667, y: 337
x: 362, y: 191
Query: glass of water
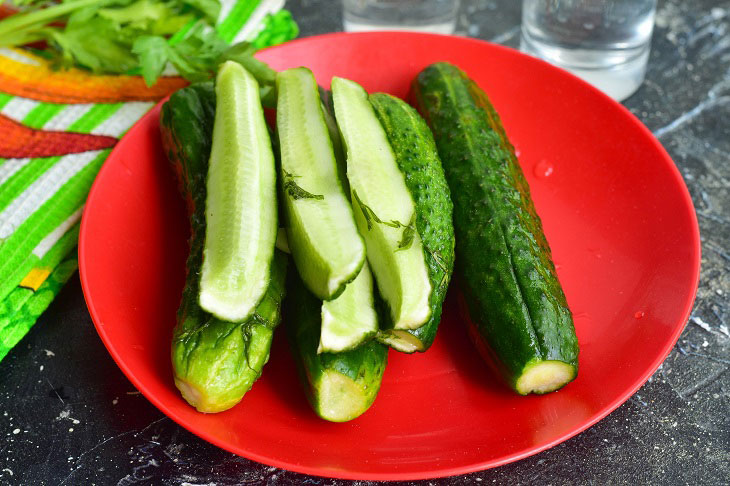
x: 413, y: 15
x: 605, y: 42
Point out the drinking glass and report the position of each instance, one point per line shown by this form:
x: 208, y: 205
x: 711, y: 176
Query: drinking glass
x: 411, y: 15
x: 605, y: 42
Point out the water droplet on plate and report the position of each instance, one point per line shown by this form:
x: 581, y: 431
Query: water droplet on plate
x: 543, y: 169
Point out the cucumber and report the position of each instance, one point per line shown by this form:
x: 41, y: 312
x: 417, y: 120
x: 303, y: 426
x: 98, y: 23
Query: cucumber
x: 328, y: 110
x: 384, y: 210
x: 241, y: 212
x: 325, y: 244
x: 515, y: 302
x: 349, y: 319
x: 339, y: 386
x: 214, y: 361
x: 417, y: 158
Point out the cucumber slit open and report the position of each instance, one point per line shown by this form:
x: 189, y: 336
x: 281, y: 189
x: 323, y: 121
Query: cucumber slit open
x: 384, y: 209
x: 339, y: 386
x: 349, y: 319
x: 323, y: 238
x: 240, y: 214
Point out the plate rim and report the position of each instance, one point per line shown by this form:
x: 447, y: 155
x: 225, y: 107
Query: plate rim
x: 395, y: 475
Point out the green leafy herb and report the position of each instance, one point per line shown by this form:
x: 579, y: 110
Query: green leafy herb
x: 132, y: 37
x: 438, y: 259
x: 409, y: 230
x: 242, y: 53
x: 295, y: 191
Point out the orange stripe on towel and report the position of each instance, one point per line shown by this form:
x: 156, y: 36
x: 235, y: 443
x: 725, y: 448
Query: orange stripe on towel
x: 40, y: 82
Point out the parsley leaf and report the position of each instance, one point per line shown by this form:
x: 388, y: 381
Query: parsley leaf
x: 295, y: 191
x: 409, y: 230
x: 132, y: 37
x: 153, y: 56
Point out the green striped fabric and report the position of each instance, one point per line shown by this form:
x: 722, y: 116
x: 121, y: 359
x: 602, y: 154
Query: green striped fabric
x: 41, y: 199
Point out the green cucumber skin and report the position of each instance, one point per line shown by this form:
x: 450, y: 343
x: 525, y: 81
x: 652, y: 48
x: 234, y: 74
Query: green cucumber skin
x: 502, y: 257
x: 364, y: 365
x: 221, y: 359
x: 418, y: 159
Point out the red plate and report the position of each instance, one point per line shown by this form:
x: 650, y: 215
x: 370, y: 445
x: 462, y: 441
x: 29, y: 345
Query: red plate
x: 616, y: 212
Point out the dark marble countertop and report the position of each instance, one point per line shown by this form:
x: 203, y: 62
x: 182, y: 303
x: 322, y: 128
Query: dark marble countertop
x: 68, y: 416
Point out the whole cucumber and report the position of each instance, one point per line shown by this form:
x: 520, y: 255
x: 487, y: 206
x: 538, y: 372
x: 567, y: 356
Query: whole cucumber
x: 515, y: 301
x: 418, y: 160
x: 215, y: 362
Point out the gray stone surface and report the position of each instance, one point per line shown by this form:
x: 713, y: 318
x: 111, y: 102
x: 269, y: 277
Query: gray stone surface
x: 68, y: 415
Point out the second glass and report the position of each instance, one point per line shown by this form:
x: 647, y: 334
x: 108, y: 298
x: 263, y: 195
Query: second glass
x: 605, y: 42
x: 413, y: 15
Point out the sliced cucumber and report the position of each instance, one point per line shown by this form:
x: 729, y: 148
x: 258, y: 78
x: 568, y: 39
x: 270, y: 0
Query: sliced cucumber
x: 349, y: 319
x: 240, y: 207
x: 417, y: 157
x: 327, y: 248
x: 339, y: 386
x: 384, y: 209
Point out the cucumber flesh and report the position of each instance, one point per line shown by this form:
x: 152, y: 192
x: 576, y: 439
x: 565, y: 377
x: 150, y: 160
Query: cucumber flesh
x: 402, y: 340
x: 323, y: 238
x: 349, y: 319
x: 240, y: 208
x: 339, y: 398
x: 544, y: 377
x: 384, y: 209
x: 282, y: 242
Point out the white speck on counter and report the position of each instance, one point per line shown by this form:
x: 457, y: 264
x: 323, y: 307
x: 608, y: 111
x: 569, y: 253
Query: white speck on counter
x: 71, y: 429
x: 115, y: 401
x: 705, y: 343
x: 16, y: 431
x: 66, y: 415
x: 701, y: 323
x: 9, y: 471
x: 724, y: 330
x: 49, y: 352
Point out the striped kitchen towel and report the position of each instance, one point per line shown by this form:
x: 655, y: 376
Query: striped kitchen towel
x: 56, y: 130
